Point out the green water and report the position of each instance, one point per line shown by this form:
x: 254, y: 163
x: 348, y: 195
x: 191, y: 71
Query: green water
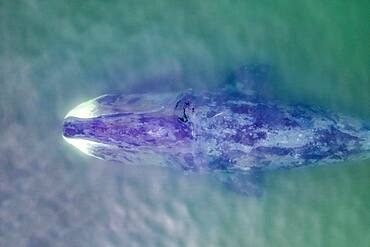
x: 56, y: 54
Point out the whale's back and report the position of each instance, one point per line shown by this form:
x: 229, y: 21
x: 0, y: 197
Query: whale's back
x: 246, y: 133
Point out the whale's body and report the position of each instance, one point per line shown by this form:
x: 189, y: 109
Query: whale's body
x: 226, y: 132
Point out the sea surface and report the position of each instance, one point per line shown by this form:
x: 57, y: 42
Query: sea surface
x: 57, y: 54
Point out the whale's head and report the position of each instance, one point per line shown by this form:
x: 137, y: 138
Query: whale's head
x: 124, y: 127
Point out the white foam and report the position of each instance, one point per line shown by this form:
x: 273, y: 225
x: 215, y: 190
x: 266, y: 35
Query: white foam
x: 84, y: 110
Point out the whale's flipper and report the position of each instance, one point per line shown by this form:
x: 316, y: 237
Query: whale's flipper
x: 247, y: 183
x: 248, y: 79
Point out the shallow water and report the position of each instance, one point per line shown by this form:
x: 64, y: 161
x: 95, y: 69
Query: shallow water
x: 56, y: 55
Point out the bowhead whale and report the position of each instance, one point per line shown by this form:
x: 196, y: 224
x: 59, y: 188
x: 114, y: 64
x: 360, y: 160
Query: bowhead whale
x: 234, y: 133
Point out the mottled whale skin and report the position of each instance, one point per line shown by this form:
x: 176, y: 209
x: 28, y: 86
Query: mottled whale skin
x: 232, y: 133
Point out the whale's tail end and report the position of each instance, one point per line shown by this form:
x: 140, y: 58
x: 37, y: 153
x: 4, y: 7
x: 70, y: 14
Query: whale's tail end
x: 366, y: 143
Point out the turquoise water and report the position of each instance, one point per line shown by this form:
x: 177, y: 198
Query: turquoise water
x: 54, y: 55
